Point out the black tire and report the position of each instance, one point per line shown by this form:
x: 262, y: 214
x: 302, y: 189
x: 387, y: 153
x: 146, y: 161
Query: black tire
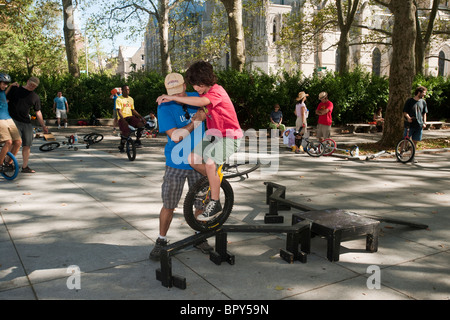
x: 12, y: 174
x: 198, y: 197
x: 49, y: 146
x: 315, y: 148
x: 329, y: 146
x: 405, y: 150
x: 93, y: 137
x: 239, y: 169
x: 130, y: 148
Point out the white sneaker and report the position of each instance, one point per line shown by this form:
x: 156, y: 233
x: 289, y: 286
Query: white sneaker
x: 65, y: 125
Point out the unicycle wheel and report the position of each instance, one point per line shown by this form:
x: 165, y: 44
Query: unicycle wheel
x: 195, y: 203
x: 13, y: 171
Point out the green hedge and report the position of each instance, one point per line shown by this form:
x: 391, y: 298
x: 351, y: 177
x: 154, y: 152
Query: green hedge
x: 355, y: 95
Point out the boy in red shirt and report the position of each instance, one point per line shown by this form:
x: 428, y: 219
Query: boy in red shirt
x: 221, y: 121
x: 324, y: 110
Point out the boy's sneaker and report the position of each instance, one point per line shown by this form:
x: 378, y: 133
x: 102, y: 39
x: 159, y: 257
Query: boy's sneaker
x: 156, y: 252
x: 121, y: 149
x: 204, y: 246
x: 6, y: 167
x: 138, y: 144
x: 212, y: 208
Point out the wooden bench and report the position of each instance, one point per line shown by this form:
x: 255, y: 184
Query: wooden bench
x: 366, y: 127
x: 436, y: 124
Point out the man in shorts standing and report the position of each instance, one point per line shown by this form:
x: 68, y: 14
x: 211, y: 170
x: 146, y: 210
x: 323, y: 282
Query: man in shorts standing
x: 184, y: 127
x: 21, y: 99
x: 61, y: 109
x: 324, y: 110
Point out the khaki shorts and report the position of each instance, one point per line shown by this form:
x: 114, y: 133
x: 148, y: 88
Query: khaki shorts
x: 8, y: 130
x: 323, y: 131
x: 219, y: 150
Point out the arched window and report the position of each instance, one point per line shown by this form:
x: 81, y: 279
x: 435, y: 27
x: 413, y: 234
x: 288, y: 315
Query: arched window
x: 274, y: 30
x: 441, y: 63
x: 376, y: 61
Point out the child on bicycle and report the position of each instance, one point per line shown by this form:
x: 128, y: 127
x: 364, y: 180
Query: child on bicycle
x: 9, y: 135
x: 222, y: 123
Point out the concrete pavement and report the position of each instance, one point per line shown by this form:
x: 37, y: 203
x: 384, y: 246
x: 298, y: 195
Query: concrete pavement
x: 83, y: 225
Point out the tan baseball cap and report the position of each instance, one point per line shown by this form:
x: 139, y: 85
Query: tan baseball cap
x: 174, y: 83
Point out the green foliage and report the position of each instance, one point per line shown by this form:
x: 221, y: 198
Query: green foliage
x: 355, y: 95
x: 438, y: 96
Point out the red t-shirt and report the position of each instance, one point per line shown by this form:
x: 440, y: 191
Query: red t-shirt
x: 326, y: 118
x: 221, y: 116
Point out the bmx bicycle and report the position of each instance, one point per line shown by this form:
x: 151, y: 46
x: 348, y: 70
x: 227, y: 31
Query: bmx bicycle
x: 330, y: 147
x: 92, y: 138
x: 49, y: 146
x: 199, y: 196
x: 405, y: 148
x: 129, y: 143
x: 12, y: 167
x: 312, y: 148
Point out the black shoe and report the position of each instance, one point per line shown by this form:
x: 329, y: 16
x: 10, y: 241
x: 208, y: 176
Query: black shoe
x: 204, y: 246
x: 121, y: 149
x: 212, y: 208
x: 156, y: 252
x: 138, y: 144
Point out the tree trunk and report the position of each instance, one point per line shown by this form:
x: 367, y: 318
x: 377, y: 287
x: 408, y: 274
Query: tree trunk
x: 402, y: 69
x: 69, y: 38
x: 345, y: 22
x: 236, y: 33
x: 422, y: 41
x: 163, y: 28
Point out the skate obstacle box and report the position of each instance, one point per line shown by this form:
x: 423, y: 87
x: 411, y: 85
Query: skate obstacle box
x: 333, y: 224
x: 339, y: 225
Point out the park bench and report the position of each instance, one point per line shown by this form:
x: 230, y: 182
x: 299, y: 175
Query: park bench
x: 435, y: 124
x: 365, y: 127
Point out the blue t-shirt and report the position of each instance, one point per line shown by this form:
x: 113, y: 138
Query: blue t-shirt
x: 171, y: 115
x: 4, y: 113
x: 60, y: 103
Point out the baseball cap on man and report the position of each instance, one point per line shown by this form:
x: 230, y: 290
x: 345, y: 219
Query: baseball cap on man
x: 35, y: 80
x: 174, y: 83
x: 323, y: 95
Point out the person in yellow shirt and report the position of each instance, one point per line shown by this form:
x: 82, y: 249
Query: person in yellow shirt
x: 127, y: 115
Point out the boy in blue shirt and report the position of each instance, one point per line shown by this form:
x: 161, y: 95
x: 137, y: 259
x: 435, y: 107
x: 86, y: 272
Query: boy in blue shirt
x: 9, y: 135
x: 184, y: 128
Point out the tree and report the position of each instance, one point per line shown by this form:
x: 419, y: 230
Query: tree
x: 69, y: 37
x: 345, y: 21
x: 402, y: 67
x: 236, y: 33
x: 29, y: 42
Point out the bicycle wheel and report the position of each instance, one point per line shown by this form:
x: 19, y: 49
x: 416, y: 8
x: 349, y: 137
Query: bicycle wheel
x: 93, y: 138
x: 329, y: 146
x: 196, y: 200
x: 405, y: 150
x: 49, y: 146
x: 315, y: 148
x: 14, y: 170
x: 130, y: 147
x: 239, y: 169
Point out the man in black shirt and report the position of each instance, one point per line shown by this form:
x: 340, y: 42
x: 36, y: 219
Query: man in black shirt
x: 415, y: 113
x: 21, y: 99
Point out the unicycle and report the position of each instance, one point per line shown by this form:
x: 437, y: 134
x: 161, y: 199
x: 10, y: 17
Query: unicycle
x: 12, y: 169
x: 199, y: 195
x: 405, y: 149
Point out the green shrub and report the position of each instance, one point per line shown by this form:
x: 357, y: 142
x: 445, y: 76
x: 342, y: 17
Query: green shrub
x: 355, y: 95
